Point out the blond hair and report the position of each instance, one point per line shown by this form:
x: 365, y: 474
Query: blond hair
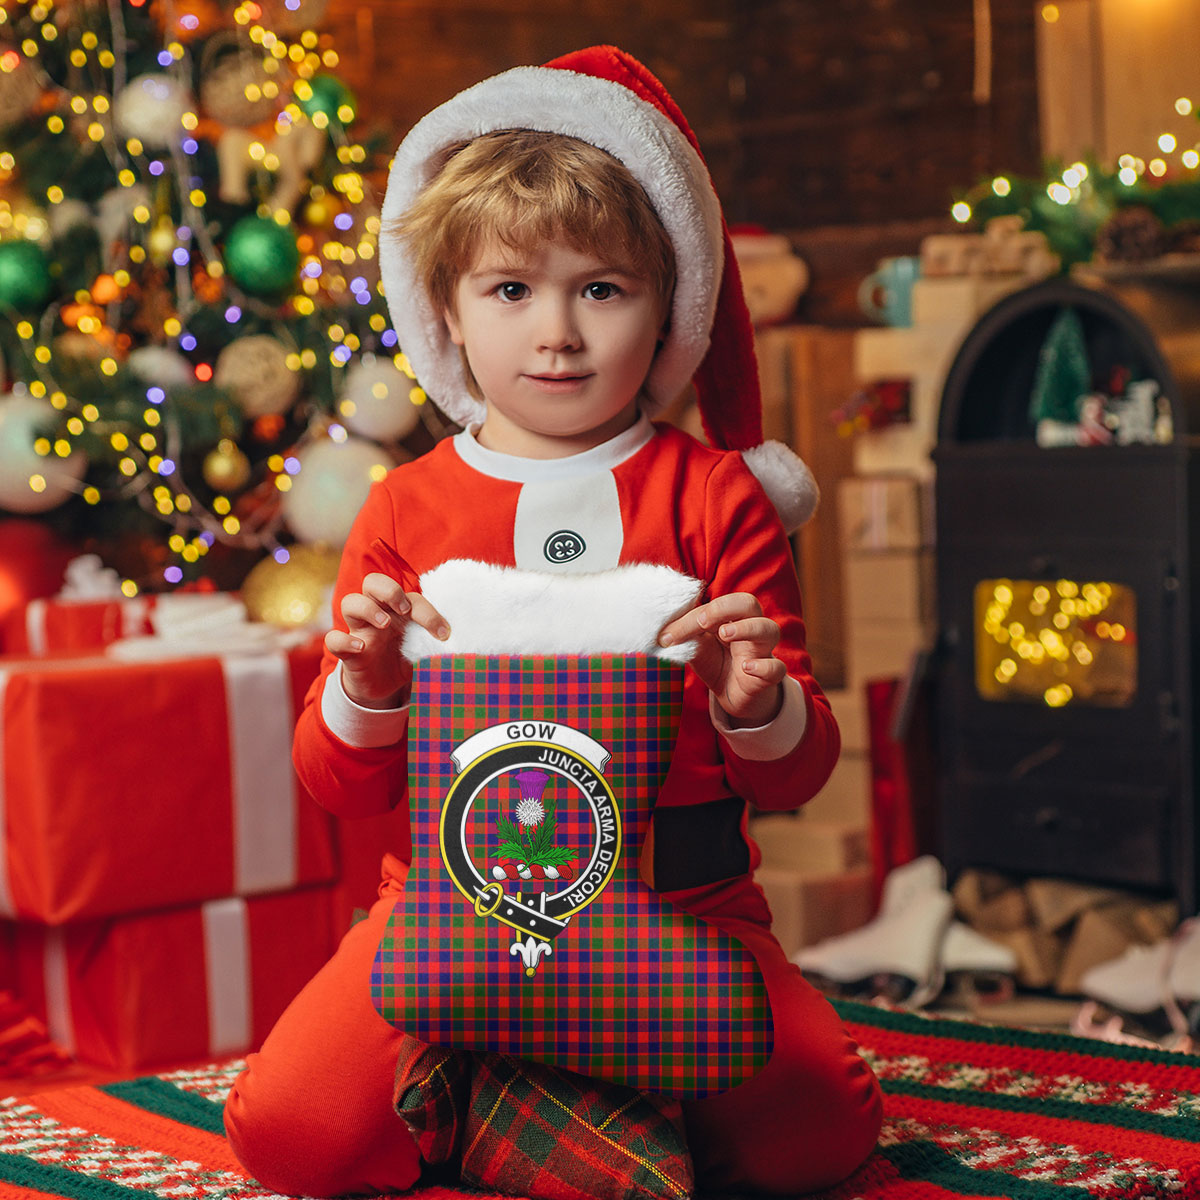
x: 520, y: 188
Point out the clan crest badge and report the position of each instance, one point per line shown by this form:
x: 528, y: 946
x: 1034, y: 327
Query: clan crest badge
x: 532, y: 879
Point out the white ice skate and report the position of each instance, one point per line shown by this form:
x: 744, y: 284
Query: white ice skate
x: 898, y: 953
x: 1155, y: 987
x: 982, y: 967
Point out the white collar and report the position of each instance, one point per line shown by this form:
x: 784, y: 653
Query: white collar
x: 514, y: 469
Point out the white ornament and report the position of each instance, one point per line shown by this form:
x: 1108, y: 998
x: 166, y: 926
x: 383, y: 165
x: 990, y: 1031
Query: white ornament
x: 23, y: 419
x: 255, y: 370
x: 228, y: 85
x: 66, y: 215
x: 162, y: 366
x: 151, y: 108
x: 114, y: 218
x: 330, y: 488
x: 375, y: 401
x: 20, y: 90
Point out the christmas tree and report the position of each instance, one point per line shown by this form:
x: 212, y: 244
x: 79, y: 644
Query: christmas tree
x: 196, y: 357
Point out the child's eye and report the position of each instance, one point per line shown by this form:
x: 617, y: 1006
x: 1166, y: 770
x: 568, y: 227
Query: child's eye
x: 601, y: 291
x: 512, y: 291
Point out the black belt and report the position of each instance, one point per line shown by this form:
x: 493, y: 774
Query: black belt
x: 697, y: 844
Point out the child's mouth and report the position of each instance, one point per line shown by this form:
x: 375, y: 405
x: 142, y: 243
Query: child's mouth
x: 558, y: 383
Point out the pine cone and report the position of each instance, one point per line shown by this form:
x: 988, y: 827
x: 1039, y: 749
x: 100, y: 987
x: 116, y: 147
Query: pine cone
x: 1132, y: 234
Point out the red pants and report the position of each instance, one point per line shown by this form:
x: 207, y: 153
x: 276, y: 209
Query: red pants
x: 312, y: 1112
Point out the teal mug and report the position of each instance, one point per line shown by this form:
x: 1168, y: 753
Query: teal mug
x: 886, y: 294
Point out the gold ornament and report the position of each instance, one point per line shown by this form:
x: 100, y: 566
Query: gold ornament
x: 236, y: 87
x: 295, y: 593
x: 255, y: 370
x: 226, y: 468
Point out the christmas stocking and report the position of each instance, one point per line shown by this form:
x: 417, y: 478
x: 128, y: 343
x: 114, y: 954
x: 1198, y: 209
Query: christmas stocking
x: 525, y: 927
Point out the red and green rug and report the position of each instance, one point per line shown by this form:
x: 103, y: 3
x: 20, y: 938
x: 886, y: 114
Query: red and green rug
x: 972, y: 1110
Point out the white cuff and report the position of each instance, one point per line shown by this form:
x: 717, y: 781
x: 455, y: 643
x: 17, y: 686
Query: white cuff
x: 765, y: 743
x: 356, y: 725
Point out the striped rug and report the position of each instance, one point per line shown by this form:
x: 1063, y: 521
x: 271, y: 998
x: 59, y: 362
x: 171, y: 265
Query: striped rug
x: 971, y: 1111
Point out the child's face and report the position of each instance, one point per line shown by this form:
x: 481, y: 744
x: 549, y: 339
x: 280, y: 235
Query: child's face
x: 559, y: 342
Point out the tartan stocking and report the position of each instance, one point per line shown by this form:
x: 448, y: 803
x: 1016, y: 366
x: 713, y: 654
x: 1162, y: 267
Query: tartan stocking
x: 524, y: 927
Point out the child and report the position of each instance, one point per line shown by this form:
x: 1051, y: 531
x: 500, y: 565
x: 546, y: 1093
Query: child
x: 557, y: 265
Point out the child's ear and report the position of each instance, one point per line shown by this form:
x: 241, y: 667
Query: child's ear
x: 452, y: 327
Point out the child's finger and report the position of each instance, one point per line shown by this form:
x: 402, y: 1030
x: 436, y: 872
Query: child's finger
x: 343, y: 645
x: 766, y: 671
x: 362, y: 612
x: 428, y: 617
x: 705, y: 618
x: 761, y: 632
x: 387, y: 593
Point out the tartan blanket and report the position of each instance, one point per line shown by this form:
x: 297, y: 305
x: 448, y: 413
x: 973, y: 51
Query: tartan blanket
x: 971, y: 1111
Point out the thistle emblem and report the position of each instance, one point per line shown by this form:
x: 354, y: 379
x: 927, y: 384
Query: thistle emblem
x: 527, y: 850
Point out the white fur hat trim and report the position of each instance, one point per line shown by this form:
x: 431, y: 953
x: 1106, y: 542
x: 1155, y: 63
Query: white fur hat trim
x: 505, y: 610
x: 604, y: 114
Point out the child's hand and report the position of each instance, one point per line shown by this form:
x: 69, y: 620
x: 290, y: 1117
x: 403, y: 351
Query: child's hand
x: 374, y: 673
x: 734, y: 655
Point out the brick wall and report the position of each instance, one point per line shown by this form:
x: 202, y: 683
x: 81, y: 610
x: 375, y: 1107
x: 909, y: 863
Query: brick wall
x: 810, y: 113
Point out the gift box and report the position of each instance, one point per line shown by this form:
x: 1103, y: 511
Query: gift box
x: 807, y: 908
x: 887, y: 586
x: 130, y: 786
x: 885, y: 512
x: 48, y: 625
x: 172, y: 987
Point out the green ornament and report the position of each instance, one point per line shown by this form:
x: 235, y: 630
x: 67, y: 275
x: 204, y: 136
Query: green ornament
x: 262, y: 256
x: 24, y: 275
x: 328, y: 95
x: 1064, y: 375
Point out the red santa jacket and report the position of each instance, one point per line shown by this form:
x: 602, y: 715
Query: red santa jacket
x: 651, y: 495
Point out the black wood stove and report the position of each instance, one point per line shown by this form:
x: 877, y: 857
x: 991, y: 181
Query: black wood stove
x: 1068, y: 656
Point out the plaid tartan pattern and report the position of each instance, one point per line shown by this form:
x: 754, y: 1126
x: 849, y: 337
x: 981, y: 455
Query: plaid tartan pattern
x: 632, y: 990
x: 532, y: 1130
x: 432, y: 1088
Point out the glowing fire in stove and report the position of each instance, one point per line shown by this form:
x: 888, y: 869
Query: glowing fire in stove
x: 1056, y: 641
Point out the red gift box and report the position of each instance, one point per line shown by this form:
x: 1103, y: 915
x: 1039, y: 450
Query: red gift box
x: 51, y: 625
x: 173, y: 987
x: 131, y: 786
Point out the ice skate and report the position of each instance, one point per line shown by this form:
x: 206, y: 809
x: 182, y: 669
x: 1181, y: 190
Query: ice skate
x: 978, y: 965
x: 1152, y: 989
x: 898, y: 953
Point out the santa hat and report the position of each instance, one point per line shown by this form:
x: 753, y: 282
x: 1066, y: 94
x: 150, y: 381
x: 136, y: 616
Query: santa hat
x: 607, y: 98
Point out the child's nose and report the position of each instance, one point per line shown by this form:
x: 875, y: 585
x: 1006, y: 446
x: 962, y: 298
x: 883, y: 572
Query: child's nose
x: 558, y: 329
